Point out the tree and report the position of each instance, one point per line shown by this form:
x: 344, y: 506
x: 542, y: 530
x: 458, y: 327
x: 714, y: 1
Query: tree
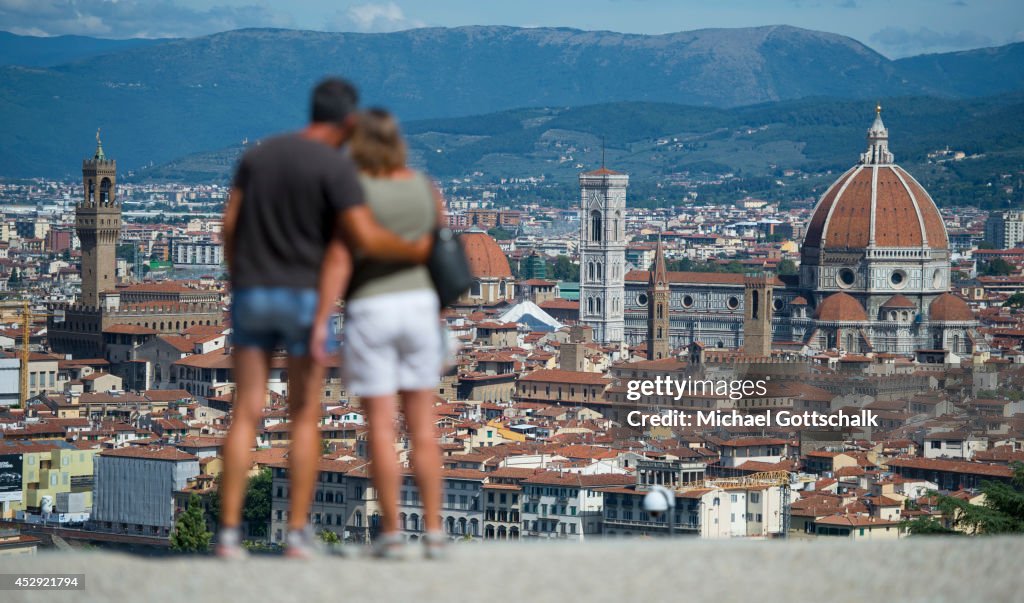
x: 922, y: 526
x: 257, y: 503
x: 330, y: 538
x: 1001, y: 513
x: 126, y: 252
x: 563, y: 269
x: 1014, y: 301
x: 501, y: 234
x: 256, y: 511
x: 998, y: 267
x: 190, y: 534
x: 788, y: 266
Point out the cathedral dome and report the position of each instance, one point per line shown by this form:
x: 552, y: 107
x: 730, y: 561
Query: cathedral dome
x: 841, y: 307
x: 949, y: 308
x: 898, y: 301
x: 486, y: 259
x: 876, y: 204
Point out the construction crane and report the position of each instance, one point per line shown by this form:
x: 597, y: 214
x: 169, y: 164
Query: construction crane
x: 784, y: 480
x: 26, y: 354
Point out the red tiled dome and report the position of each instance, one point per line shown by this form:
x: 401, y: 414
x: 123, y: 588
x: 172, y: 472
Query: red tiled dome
x: 486, y: 259
x: 899, y: 301
x: 799, y: 301
x: 948, y: 307
x: 903, y: 213
x: 840, y: 307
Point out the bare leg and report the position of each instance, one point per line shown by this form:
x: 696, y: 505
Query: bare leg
x: 251, y: 368
x: 418, y: 407
x: 305, y: 378
x: 380, y: 414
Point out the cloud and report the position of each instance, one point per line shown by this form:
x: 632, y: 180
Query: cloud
x: 898, y: 41
x: 377, y: 17
x: 130, y: 18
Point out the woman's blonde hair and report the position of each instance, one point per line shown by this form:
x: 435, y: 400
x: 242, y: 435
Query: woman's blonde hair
x: 377, y: 146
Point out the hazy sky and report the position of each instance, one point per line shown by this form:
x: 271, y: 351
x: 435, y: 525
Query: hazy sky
x: 893, y: 27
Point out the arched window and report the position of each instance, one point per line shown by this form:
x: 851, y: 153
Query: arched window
x: 595, y: 226
x: 474, y: 289
x: 849, y: 342
x: 755, y: 303
x: 590, y: 305
x: 105, y: 191
x: 956, y: 343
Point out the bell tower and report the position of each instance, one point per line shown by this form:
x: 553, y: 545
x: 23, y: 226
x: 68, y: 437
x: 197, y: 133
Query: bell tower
x: 757, y: 315
x: 98, y: 225
x: 657, y: 309
x: 603, y: 253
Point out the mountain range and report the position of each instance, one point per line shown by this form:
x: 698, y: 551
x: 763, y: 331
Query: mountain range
x: 166, y: 99
x: 658, y: 143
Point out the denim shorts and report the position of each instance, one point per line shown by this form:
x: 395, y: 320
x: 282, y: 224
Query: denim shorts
x: 271, y: 318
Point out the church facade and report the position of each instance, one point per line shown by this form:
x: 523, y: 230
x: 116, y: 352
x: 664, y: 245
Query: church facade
x: 874, y: 277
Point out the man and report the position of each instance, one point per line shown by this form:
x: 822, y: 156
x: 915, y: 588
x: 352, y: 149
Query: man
x: 291, y: 196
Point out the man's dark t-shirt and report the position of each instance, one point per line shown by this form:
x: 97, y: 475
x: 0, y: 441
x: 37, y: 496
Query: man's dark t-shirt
x: 292, y: 190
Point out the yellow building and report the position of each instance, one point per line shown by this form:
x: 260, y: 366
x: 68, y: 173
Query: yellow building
x: 55, y: 475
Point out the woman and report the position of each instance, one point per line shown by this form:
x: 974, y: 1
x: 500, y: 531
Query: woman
x: 392, y: 332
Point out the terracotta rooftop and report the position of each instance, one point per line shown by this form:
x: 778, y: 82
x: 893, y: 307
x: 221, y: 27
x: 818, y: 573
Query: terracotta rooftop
x: 953, y: 466
x: 948, y: 307
x: 154, y: 453
x: 486, y: 259
x: 714, y: 278
x: 560, y: 376
x: 899, y: 301
x: 841, y: 307
x: 882, y: 201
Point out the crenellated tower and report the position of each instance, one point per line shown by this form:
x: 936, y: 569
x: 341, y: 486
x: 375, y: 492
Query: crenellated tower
x: 98, y: 225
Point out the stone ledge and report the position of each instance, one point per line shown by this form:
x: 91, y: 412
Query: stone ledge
x: 924, y: 569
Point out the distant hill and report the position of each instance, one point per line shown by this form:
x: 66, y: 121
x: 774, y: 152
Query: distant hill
x: 32, y: 51
x: 970, y: 73
x: 166, y: 100
x: 659, y: 142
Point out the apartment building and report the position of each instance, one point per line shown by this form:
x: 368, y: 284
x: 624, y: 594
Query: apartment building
x: 566, y: 506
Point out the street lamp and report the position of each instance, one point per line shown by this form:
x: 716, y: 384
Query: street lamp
x: 661, y: 500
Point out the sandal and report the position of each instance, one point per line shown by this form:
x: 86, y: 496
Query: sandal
x: 388, y: 546
x: 435, y: 545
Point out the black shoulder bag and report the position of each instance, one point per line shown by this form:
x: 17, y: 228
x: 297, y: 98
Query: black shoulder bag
x: 449, y: 267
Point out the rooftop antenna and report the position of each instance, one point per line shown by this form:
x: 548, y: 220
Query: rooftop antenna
x: 602, y: 152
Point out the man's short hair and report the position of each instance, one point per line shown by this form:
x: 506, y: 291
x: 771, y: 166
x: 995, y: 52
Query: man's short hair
x: 333, y: 100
